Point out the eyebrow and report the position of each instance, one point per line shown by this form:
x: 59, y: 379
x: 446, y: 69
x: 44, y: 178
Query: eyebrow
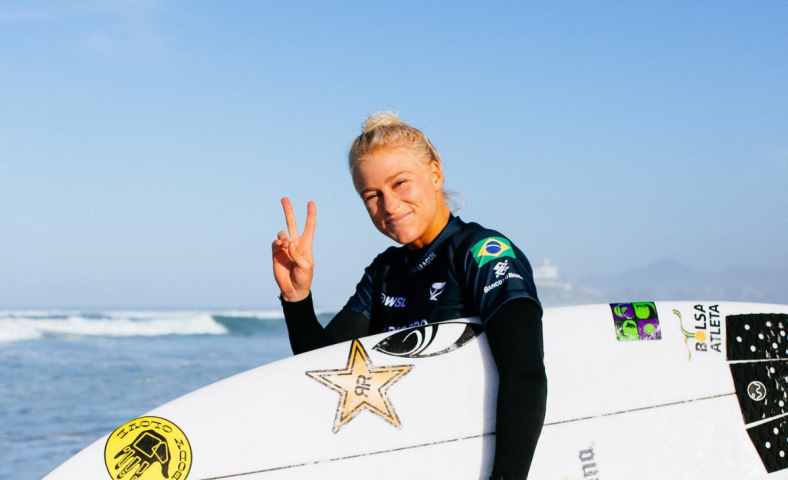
x: 387, y: 180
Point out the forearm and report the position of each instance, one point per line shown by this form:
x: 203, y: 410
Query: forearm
x: 306, y: 333
x: 304, y: 330
x: 515, y: 337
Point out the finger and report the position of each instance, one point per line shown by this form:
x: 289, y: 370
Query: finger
x: 281, y: 253
x: 311, y: 220
x: 285, y: 241
x: 298, y: 257
x: 276, y: 247
x: 290, y: 217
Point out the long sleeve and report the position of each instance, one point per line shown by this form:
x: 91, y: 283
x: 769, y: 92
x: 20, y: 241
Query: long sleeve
x: 514, y: 333
x: 307, y: 334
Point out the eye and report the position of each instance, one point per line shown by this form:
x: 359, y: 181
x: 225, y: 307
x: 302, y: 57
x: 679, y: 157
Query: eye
x: 399, y: 182
x: 429, y: 340
x: 370, y: 197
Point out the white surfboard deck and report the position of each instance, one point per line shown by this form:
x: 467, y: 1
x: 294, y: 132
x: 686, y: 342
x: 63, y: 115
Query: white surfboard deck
x: 653, y: 408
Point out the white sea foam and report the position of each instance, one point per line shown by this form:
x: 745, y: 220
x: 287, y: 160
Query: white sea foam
x: 151, y: 314
x: 262, y: 315
x: 15, y: 328
x: 17, y: 325
x: 267, y: 314
x: 143, y: 314
x: 14, y: 332
x: 37, y: 313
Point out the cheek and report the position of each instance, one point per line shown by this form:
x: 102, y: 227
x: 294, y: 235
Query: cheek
x: 411, y: 192
x: 372, y: 210
x: 421, y: 195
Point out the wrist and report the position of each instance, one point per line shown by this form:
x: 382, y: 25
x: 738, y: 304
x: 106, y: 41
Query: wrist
x: 293, y: 297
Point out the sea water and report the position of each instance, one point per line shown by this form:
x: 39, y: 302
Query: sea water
x: 69, y: 377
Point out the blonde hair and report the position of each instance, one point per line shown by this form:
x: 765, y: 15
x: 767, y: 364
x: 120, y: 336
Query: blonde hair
x: 385, y: 131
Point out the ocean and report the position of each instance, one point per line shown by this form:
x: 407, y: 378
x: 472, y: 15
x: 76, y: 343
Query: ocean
x: 69, y: 377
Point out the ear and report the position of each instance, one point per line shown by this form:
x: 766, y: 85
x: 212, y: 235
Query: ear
x: 436, y: 175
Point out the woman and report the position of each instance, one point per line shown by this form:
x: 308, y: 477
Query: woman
x: 399, y: 176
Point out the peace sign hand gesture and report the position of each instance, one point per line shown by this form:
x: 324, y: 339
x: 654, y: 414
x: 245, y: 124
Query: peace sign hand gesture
x: 293, y: 260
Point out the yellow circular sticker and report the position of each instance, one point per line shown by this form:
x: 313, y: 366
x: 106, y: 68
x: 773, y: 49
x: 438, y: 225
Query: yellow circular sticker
x: 148, y: 448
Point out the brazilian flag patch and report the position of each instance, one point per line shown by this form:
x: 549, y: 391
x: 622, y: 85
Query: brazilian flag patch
x: 491, y: 248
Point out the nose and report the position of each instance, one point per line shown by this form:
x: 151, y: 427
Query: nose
x: 390, y: 204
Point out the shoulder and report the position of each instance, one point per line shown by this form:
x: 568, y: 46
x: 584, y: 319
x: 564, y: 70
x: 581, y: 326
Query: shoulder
x: 481, y: 248
x: 492, y: 270
x: 480, y: 241
x: 387, y: 257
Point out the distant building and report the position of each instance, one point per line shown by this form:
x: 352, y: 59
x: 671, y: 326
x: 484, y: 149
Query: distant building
x: 546, y: 275
x: 554, y: 291
x: 546, y: 272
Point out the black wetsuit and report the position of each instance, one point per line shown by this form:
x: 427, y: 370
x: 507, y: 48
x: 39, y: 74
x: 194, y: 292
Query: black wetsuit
x: 466, y: 271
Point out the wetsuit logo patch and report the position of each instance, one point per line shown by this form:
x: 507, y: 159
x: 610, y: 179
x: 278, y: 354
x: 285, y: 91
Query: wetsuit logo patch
x: 436, y: 289
x: 148, y: 448
x: 491, y: 248
x: 501, y: 268
x: 393, y: 302
x: 362, y: 386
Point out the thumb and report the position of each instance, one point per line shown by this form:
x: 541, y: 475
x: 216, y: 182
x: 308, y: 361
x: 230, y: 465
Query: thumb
x: 298, y: 256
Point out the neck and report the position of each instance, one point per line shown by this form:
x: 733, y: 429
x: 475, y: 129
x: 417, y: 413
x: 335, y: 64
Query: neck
x: 435, y: 228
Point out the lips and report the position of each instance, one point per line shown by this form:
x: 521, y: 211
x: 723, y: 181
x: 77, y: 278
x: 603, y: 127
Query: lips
x: 397, y: 220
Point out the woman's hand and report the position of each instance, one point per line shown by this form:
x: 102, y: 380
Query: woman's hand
x: 293, y: 260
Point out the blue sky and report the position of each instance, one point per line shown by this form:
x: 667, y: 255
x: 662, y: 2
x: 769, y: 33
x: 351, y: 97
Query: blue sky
x: 144, y: 145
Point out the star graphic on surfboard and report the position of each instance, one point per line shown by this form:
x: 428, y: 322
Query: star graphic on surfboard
x: 362, y: 386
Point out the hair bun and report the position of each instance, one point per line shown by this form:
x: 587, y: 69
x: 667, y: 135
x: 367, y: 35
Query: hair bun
x: 385, y: 118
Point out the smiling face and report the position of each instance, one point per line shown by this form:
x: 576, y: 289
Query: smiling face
x: 403, y: 197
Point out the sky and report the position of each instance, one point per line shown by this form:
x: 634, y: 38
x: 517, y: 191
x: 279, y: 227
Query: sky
x: 144, y: 145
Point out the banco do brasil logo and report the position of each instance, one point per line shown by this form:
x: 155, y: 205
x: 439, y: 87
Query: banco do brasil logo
x: 148, y: 448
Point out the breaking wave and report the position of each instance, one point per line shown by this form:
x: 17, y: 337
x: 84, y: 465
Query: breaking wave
x: 35, y: 324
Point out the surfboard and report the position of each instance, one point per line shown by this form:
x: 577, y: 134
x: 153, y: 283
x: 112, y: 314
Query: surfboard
x: 639, y: 390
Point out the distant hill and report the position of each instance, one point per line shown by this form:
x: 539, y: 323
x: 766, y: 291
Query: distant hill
x: 672, y: 280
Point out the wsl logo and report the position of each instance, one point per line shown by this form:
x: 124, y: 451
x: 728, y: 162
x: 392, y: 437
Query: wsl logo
x: 393, y: 302
x: 149, y: 447
x: 491, y: 248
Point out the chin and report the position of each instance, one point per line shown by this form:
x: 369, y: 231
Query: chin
x: 401, y: 237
